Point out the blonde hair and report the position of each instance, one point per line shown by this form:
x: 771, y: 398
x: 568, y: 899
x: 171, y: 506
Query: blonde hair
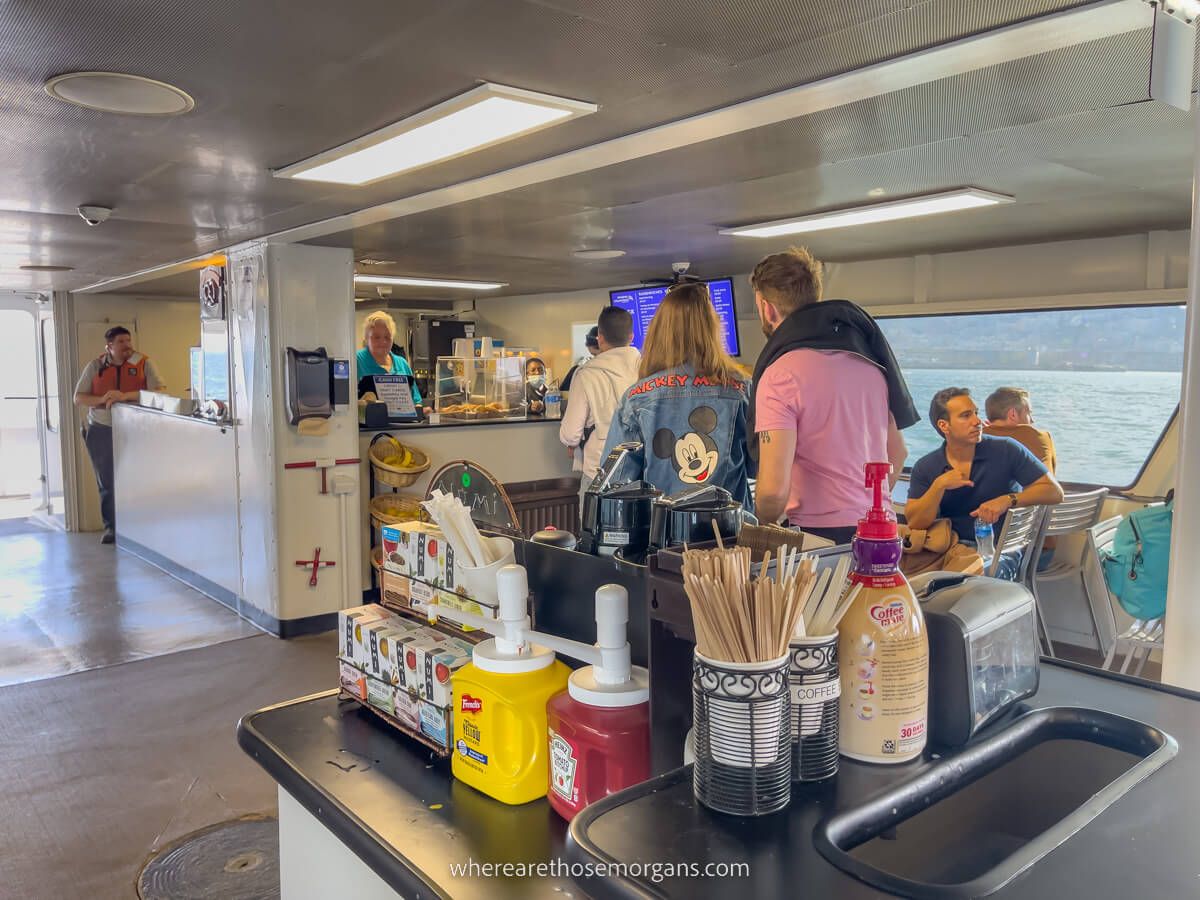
x: 686, y: 331
x: 379, y: 317
x: 788, y: 280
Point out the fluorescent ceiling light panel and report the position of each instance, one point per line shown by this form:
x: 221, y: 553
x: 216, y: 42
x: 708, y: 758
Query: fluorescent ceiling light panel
x: 950, y: 201
x: 483, y: 116
x: 430, y: 282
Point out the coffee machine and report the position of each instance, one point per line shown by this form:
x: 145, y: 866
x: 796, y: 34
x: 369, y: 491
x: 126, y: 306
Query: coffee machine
x: 693, y: 515
x: 616, y: 515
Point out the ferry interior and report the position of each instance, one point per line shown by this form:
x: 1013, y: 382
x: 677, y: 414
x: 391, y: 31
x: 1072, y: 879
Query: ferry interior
x: 121, y: 686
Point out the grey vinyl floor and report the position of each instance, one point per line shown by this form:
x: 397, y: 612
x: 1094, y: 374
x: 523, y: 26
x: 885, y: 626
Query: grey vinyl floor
x: 122, y: 694
x: 69, y: 604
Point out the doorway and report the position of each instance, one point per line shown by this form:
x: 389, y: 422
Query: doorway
x: 31, y: 479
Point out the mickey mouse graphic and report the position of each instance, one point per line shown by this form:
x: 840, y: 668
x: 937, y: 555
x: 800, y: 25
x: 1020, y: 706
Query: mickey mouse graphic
x: 694, y: 454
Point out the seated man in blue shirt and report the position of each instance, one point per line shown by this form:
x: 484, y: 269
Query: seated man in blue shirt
x: 973, y: 475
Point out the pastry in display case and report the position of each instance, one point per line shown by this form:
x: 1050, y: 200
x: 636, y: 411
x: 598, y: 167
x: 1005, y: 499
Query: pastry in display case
x: 474, y: 388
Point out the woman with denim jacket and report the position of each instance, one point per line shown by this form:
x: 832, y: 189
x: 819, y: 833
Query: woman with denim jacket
x: 688, y: 407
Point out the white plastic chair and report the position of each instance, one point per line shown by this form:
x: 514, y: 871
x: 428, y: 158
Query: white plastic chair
x: 1141, y: 638
x: 1077, y: 513
x: 1020, y: 533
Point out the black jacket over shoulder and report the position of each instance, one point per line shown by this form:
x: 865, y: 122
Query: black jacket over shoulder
x: 835, y: 325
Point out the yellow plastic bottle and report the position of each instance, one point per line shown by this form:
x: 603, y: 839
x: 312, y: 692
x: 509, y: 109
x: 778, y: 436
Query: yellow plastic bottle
x: 500, y: 724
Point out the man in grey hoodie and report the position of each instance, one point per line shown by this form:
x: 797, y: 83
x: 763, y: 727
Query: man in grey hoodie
x: 597, y: 390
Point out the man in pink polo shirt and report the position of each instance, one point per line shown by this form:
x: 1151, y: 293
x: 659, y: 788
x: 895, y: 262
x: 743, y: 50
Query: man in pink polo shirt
x: 827, y: 397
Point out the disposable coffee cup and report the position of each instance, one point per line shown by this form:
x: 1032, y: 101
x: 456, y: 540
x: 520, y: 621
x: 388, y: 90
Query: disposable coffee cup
x: 747, y: 710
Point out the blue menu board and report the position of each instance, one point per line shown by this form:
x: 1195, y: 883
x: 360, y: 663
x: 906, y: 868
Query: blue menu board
x: 642, y: 304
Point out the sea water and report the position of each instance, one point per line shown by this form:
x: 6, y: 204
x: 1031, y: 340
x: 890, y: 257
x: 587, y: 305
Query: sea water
x: 1104, y: 424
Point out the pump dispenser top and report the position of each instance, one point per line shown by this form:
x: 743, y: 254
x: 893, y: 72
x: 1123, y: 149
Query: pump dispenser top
x: 879, y: 524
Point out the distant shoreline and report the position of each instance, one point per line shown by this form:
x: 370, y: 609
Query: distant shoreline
x: 1080, y: 369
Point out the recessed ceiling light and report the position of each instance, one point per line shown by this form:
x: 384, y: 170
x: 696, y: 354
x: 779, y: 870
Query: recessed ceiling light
x: 38, y: 268
x: 371, y: 261
x: 598, y: 254
x: 430, y: 282
x: 117, y: 92
x: 483, y: 116
x: 950, y: 201
x: 876, y: 192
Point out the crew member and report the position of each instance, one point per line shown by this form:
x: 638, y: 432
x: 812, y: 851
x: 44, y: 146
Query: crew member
x: 593, y: 347
x: 828, y: 397
x: 376, y: 356
x: 535, y: 386
x: 116, y: 376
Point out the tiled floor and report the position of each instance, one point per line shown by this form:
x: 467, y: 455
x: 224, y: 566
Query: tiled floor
x: 69, y: 604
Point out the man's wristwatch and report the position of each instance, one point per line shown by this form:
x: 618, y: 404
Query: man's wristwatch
x: 1012, y: 500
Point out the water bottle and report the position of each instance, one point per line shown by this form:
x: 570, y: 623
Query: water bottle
x: 984, y: 543
x: 553, y: 401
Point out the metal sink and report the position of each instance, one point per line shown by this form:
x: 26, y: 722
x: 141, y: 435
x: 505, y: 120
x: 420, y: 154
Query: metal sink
x: 969, y: 824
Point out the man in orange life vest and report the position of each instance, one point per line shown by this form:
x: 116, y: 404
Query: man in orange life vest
x: 114, y: 377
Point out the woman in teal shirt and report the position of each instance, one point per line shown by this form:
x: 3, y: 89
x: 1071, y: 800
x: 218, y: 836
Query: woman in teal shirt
x: 376, y: 356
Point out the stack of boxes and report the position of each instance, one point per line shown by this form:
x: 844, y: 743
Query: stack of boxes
x: 419, y: 564
x: 401, y: 668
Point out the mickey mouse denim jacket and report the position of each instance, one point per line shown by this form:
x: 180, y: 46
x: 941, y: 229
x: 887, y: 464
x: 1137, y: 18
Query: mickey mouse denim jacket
x: 692, y: 431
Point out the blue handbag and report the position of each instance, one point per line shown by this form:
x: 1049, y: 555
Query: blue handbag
x: 1136, y: 566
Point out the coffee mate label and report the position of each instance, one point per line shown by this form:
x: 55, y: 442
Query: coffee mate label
x: 889, y: 615
x: 562, y: 767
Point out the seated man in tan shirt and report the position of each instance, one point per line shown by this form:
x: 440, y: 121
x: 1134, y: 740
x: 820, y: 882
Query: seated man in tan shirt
x: 1010, y: 415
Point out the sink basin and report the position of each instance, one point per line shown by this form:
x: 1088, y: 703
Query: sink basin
x: 969, y: 824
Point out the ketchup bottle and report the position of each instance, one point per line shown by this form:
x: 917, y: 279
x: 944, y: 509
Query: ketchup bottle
x: 599, y: 727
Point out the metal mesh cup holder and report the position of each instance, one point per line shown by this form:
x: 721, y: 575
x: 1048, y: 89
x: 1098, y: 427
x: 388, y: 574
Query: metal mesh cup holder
x: 742, y: 735
x: 815, y: 687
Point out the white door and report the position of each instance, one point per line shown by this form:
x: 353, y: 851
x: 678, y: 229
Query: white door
x: 23, y: 463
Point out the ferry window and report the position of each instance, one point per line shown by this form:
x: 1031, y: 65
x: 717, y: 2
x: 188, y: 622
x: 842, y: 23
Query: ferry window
x: 1103, y: 382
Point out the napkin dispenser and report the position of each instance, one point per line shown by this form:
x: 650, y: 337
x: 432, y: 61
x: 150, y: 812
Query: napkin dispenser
x: 983, y: 650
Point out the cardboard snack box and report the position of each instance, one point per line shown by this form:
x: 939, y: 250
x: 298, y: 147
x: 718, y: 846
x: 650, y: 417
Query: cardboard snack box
x: 381, y: 696
x: 420, y: 551
x: 352, y: 680
x: 434, y: 666
x: 435, y: 723
x: 353, y: 643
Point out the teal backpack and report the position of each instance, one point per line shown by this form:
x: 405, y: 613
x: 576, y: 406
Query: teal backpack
x: 1136, y: 565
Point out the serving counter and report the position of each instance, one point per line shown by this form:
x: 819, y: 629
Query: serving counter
x: 512, y: 450
x: 360, y: 805
x: 176, y: 497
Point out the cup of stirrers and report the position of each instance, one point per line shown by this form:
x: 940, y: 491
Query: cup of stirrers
x: 741, y: 619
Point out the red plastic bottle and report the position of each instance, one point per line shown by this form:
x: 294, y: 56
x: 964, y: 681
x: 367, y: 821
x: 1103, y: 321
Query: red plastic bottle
x: 599, y: 740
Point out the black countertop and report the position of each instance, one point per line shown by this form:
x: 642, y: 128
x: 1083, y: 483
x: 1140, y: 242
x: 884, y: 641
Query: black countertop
x: 376, y: 792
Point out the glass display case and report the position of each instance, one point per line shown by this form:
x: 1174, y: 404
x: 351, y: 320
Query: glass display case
x: 471, y: 388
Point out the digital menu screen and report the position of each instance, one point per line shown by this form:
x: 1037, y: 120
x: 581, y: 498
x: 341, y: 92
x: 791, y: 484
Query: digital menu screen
x: 643, y: 302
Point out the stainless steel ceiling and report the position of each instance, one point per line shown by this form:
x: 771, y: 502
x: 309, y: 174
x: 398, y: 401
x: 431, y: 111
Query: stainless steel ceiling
x: 275, y: 82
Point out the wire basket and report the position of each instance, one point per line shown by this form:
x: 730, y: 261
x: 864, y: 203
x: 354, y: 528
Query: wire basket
x: 392, y: 474
x: 742, y: 738
x: 815, y: 687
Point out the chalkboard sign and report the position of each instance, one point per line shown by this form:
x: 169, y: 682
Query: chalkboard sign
x: 479, y: 492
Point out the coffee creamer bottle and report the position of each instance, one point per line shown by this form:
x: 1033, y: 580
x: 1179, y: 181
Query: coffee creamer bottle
x: 883, y: 649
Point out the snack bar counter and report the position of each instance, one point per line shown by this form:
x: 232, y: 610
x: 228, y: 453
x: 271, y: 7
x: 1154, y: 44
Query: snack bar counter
x: 513, y: 451
x: 364, y: 812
